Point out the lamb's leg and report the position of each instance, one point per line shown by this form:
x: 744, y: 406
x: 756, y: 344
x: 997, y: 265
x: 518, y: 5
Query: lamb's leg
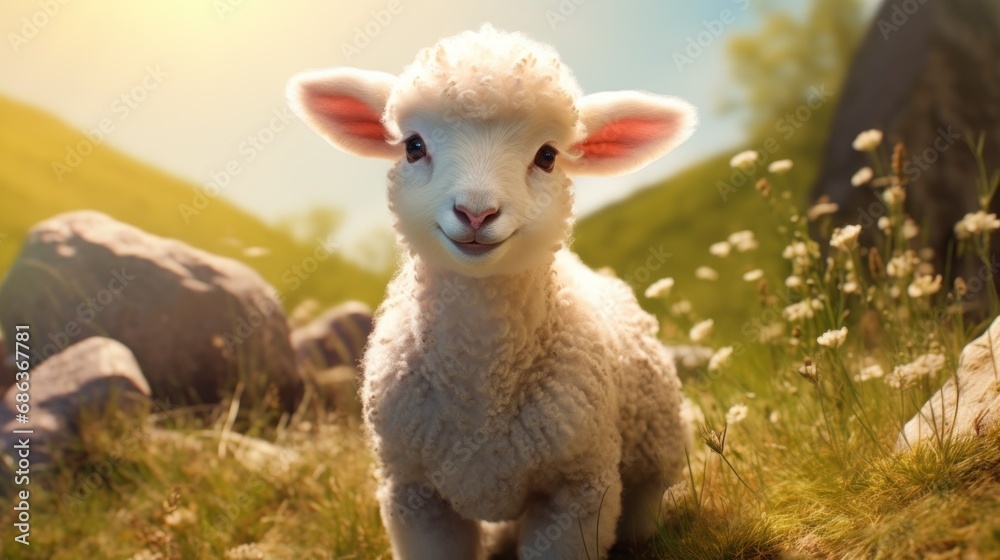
x: 423, y: 526
x: 641, y: 510
x: 577, y: 522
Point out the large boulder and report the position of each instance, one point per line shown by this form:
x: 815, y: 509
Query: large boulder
x: 329, y: 351
x: 968, y: 405
x: 198, y: 324
x: 335, y: 338
x: 83, y: 382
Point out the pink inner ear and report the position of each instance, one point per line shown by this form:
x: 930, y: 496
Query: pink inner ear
x: 354, y: 117
x: 619, y: 138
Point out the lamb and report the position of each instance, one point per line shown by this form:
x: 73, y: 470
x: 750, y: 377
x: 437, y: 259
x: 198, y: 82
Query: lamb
x: 513, y: 396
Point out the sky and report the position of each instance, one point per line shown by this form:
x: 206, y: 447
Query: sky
x: 192, y: 85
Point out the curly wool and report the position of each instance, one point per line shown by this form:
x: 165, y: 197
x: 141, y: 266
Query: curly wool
x: 498, y: 389
x: 484, y: 75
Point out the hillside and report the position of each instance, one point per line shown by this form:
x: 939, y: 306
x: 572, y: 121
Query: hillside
x: 111, y: 182
x: 686, y: 213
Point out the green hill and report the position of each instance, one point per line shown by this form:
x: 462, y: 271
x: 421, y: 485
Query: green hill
x: 111, y: 182
x: 686, y: 213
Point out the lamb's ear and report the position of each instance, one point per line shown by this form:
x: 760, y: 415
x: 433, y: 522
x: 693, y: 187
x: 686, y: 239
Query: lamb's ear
x: 625, y: 130
x: 345, y: 106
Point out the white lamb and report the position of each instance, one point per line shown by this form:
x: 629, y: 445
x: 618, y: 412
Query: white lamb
x: 505, y: 381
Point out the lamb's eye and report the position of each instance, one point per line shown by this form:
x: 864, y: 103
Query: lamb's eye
x: 415, y: 148
x: 545, y: 159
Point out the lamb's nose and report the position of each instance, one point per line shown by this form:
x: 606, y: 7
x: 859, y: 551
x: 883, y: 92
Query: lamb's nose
x: 470, y: 218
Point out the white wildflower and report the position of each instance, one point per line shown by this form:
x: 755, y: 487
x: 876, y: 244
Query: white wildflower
x: 924, y: 286
x: 660, y: 289
x: 978, y: 222
x: 845, y: 238
x: 736, y: 414
x: 780, y: 167
x: 894, y: 195
x: 833, y: 339
x: 745, y: 161
x: 720, y: 249
x: 770, y: 333
x: 862, y: 177
x: 722, y: 359
x: 798, y: 311
x: 868, y: 140
x: 794, y: 282
x: 901, y: 266
x: 774, y: 417
x: 903, y: 376
x: 873, y: 371
x: 677, y: 494
x: 910, y: 229
x: 754, y: 275
x: 885, y: 224
x: 801, y: 254
x: 180, y: 517
x: 682, y: 307
x: 743, y: 241
x: 821, y: 209
x: 706, y: 273
x: 701, y: 330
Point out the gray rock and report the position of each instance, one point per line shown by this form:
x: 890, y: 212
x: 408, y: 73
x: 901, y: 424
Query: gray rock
x: 335, y: 338
x: 84, y: 382
x: 197, y: 323
x: 968, y: 405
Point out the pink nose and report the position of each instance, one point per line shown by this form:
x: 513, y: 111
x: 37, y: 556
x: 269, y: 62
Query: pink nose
x: 469, y: 217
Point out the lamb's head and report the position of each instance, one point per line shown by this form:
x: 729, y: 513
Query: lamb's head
x: 486, y: 127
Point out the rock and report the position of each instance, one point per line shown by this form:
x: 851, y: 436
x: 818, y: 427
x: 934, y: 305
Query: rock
x: 85, y: 381
x: 926, y: 77
x: 971, y: 410
x: 197, y: 323
x: 335, y: 338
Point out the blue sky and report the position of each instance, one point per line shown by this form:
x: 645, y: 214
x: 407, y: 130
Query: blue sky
x: 224, y: 65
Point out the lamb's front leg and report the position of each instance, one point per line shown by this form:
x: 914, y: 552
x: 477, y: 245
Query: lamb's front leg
x: 423, y: 526
x: 577, y: 522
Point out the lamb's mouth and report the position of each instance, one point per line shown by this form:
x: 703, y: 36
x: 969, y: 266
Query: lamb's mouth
x: 475, y: 248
